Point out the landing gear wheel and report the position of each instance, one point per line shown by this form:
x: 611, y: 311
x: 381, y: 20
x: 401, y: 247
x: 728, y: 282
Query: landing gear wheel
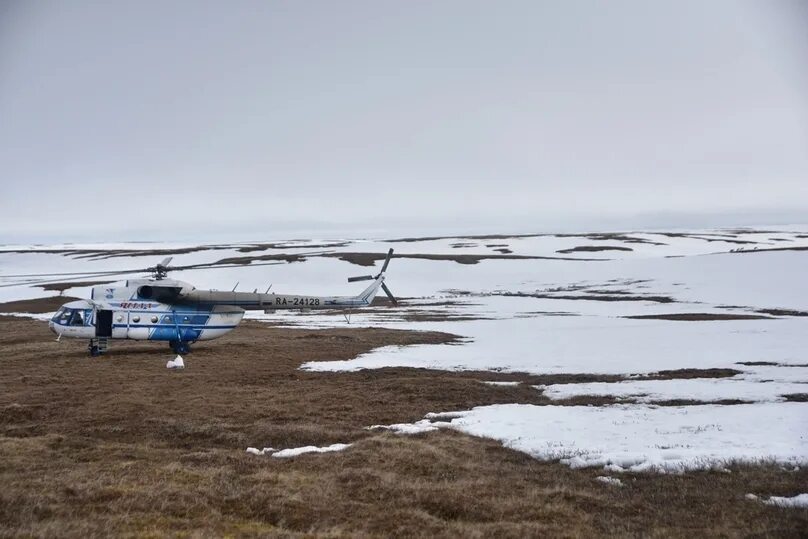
x: 180, y: 347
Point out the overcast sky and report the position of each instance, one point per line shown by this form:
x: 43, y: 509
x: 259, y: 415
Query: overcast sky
x: 169, y: 120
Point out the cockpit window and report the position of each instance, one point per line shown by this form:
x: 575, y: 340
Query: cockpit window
x: 78, y: 318
x: 62, y: 316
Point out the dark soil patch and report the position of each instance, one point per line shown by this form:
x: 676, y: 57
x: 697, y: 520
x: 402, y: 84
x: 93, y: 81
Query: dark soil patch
x: 597, y: 236
x: 796, y: 397
x: 472, y: 237
x: 594, y: 248
x: 698, y: 317
x: 597, y: 296
x: 692, y: 402
x: 267, y: 246
x: 757, y: 363
x: 118, y: 253
x: 687, y: 374
x: 767, y: 249
x: 708, y: 237
x: 782, y: 312
x: 257, y: 258
x: 370, y: 259
x: 611, y: 236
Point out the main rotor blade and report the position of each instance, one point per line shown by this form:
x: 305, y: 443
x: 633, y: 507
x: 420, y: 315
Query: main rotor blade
x: 109, y: 272
x: 361, y: 278
x: 389, y: 294
x: 67, y: 279
x: 387, y: 260
x: 164, y: 265
x: 213, y: 265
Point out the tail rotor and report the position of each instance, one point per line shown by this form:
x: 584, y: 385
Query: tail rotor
x: 378, y: 277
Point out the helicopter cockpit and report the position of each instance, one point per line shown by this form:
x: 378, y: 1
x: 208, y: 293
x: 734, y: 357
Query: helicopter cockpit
x: 76, y: 313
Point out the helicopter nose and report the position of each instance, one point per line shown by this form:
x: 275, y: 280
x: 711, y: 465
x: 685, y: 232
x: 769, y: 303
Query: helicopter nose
x: 52, y: 328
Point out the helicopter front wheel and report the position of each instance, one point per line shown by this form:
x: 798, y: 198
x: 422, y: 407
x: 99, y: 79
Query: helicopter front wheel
x: 180, y: 347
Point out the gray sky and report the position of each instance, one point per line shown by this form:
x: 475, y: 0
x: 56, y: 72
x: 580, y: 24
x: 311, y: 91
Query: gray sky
x: 168, y: 120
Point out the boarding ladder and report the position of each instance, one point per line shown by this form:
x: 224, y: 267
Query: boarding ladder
x: 101, y: 342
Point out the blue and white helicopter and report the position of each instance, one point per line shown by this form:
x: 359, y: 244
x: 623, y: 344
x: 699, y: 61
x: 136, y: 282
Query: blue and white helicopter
x: 163, y: 309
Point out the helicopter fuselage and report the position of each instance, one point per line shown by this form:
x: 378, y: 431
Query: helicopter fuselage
x: 119, y: 313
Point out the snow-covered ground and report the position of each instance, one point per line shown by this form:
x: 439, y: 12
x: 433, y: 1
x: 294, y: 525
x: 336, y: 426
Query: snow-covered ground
x: 798, y: 501
x: 567, y: 309
x: 634, y: 437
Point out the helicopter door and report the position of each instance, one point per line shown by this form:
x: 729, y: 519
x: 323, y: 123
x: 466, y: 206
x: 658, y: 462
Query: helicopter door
x: 103, y: 324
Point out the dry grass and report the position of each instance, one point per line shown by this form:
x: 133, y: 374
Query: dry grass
x: 118, y: 445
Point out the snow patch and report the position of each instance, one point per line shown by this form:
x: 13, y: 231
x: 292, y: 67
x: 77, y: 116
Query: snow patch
x: 640, y: 438
x: 260, y: 452
x: 609, y: 480
x: 418, y: 427
x: 798, y: 501
x: 293, y: 452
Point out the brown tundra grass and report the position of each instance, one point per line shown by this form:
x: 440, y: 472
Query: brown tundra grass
x: 118, y: 445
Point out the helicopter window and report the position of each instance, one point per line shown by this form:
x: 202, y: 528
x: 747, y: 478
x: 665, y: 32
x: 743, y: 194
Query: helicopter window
x: 135, y: 319
x: 62, y: 316
x: 78, y: 318
x: 154, y: 319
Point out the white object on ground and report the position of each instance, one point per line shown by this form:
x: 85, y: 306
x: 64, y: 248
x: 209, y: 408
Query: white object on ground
x: 295, y: 451
x: 504, y: 384
x: 609, y: 480
x: 176, y: 363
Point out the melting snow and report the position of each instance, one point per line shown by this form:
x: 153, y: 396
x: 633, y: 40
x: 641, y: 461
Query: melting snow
x: 745, y: 387
x: 285, y: 453
x: 256, y: 451
x: 642, y: 438
x: 609, y: 480
x: 295, y: 451
x: 800, y: 500
x: 418, y: 427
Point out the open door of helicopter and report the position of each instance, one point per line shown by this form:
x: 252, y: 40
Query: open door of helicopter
x: 103, y: 323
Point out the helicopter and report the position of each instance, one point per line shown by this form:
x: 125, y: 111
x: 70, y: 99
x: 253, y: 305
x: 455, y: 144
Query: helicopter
x: 173, y: 311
